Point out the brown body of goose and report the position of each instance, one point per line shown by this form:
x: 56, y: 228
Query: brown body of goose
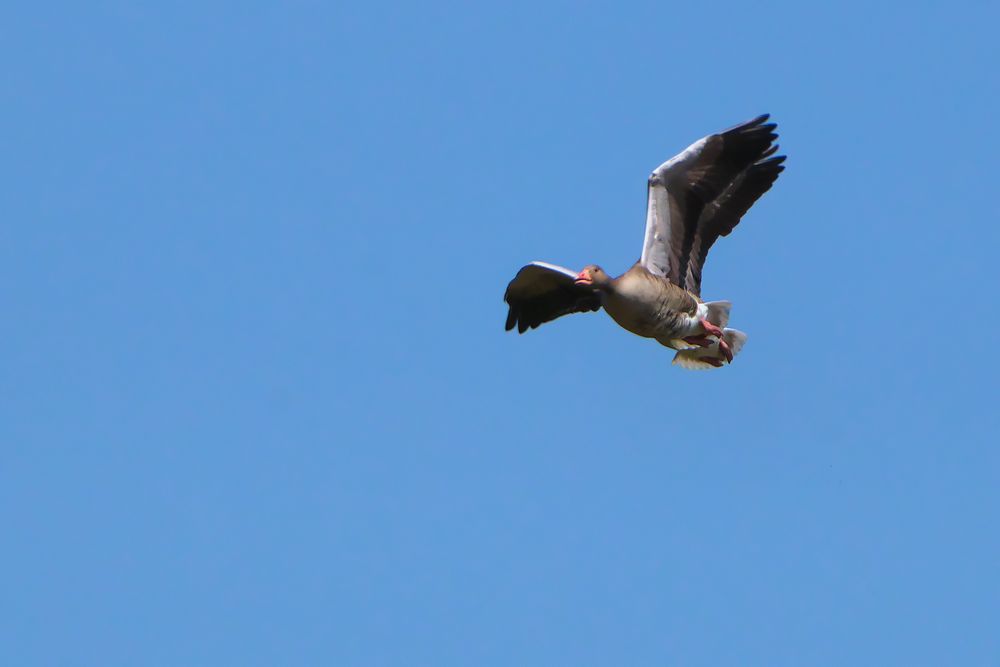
x: 692, y: 199
x: 643, y: 303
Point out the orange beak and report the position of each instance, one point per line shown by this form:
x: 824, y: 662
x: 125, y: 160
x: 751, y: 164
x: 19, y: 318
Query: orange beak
x: 583, y: 278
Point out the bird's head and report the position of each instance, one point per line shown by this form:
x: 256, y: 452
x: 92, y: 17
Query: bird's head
x: 592, y: 276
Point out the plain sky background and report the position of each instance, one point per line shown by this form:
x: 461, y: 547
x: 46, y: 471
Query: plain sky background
x: 256, y: 402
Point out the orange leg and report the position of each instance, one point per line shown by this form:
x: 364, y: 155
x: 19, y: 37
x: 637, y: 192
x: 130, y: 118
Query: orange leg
x: 700, y: 341
x: 711, y: 329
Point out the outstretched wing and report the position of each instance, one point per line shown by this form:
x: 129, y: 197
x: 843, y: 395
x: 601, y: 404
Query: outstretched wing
x: 721, y: 216
x: 541, y: 292
x: 687, y: 194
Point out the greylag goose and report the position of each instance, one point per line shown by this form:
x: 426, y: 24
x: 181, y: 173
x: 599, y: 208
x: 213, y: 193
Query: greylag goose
x: 692, y: 199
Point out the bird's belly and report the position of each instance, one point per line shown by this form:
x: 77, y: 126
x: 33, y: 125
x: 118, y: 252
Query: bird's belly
x: 647, y: 320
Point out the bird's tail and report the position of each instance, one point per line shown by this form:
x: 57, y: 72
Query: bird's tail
x: 718, y: 312
x: 700, y: 358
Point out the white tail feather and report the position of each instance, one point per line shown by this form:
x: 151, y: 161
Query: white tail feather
x: 735, y: 338
x: 718, y: 312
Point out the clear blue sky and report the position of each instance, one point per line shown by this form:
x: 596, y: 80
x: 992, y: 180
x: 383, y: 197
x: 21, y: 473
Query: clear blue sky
x: 256, y: 402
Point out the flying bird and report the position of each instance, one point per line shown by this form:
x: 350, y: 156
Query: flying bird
x: 692, y: 200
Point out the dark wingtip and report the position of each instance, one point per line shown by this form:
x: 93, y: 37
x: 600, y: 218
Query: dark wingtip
x: 754, y: 125
x: 767, y: 159
x: 511, y: 319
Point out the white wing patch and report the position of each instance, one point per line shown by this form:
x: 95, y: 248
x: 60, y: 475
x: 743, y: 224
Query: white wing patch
x: 656, y: 245
x: 558, y: 269
x: 655, y: 248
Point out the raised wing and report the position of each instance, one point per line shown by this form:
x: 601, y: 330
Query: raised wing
x: 692, y: 197
x: 721, y: 216
x: 541, y: 292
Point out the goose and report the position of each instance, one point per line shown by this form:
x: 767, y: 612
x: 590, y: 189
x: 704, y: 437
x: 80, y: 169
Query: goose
x: 692, y: 199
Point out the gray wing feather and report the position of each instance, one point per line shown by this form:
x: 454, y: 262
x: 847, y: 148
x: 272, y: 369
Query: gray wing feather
x: 541, y: 292
x: 682, y: 189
